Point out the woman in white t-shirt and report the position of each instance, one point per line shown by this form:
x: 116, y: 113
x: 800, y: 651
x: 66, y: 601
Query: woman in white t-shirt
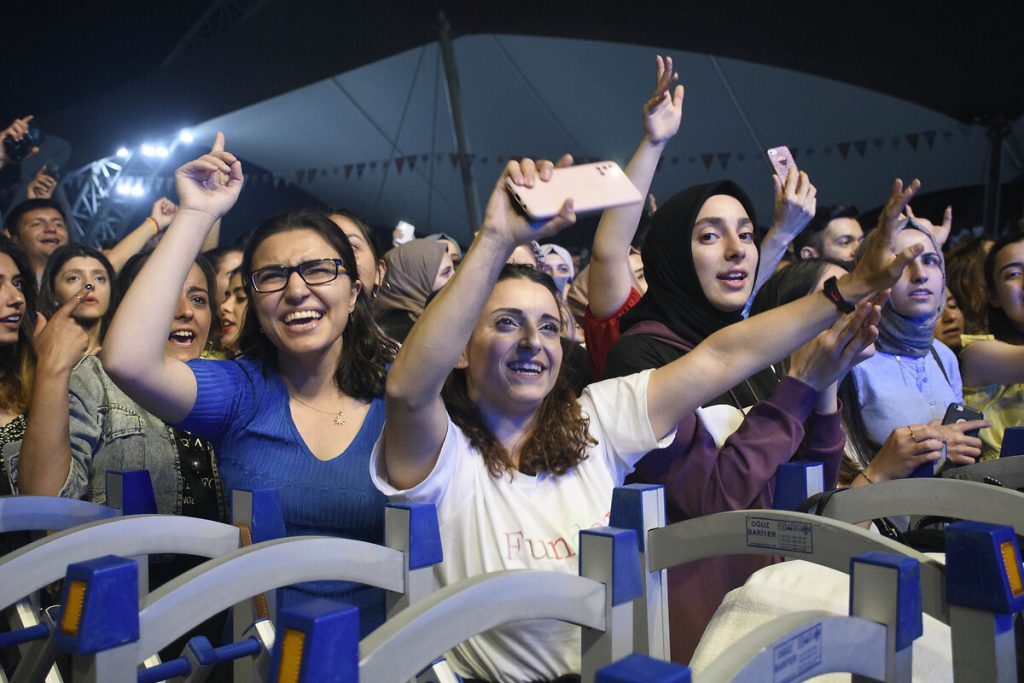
x: 480, y: 422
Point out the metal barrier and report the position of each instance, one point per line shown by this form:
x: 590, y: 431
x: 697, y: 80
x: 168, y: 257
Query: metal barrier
x: 129, y: 493
x: 220, y: 583
x: 746, y: 532
x: 33, y: 567
x: 874, y: 642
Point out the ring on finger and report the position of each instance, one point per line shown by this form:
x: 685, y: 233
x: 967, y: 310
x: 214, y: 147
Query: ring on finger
x: 913, y: 436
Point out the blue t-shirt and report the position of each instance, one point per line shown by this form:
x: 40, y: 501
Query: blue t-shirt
x: 242, y: 406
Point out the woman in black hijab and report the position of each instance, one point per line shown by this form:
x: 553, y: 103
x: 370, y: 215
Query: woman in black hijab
x: 700, y: 260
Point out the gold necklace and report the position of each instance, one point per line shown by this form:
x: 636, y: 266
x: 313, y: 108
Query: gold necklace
x: 339, y: 417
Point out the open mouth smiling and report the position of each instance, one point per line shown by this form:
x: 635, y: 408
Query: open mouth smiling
x: 527, y: 368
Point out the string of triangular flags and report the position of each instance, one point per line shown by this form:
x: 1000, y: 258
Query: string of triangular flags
x: 846, y: 150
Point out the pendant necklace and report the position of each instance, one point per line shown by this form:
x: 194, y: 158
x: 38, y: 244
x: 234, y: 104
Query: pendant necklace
x: 339, y: 416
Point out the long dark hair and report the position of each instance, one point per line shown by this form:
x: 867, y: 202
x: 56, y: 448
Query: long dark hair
x: 367, y: 351
x: 560, y: 434
x: 18, y: 362
x: 998, y: 322
x: 790, y: 284
x: 48, y: 293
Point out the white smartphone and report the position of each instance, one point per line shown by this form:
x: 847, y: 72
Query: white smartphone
x: 593, y: 187
x: 782, y: 160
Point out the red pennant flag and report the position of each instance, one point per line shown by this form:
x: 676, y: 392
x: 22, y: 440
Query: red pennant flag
x: 912, y: 139
x: 373, y: 165
x: 878, y: 142
x: 299, y: 175
x: 454, y: 158
x: 929, y: 137
x: 411, y: 160
x: 862, y: 146
x: 399, y: 162
x: 348, y: 170
x: 359, y: 170
x: 723, y: 158
x: 844, y: 149
x: 707, y: 159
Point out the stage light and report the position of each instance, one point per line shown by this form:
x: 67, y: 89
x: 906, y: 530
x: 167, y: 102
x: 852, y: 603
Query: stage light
x: 186, y: 137
x: 148, y: 150
x: 137, y: 190
x: 123, y: 153
x: 161, y: 151
x: 124, y: 187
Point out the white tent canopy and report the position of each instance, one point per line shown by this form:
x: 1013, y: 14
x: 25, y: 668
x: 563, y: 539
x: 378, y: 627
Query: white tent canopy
x: 379, y: 139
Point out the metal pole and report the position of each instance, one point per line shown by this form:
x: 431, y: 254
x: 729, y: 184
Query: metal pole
x: 998, y: 128
x: 455, y: 100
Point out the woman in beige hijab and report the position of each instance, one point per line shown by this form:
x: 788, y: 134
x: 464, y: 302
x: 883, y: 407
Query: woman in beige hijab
x: 414, y: 271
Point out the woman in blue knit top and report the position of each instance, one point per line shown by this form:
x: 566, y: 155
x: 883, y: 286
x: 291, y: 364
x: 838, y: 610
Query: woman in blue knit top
x: 302, y: 407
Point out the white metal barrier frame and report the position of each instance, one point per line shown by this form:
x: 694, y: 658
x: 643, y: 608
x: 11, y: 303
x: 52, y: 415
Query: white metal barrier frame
x: 795, y: 535
x: 181, y: 604
x: 873, y: 643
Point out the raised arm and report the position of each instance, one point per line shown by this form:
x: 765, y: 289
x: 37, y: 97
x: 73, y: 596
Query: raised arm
x: 417, y: 421
x: 133, y: 351
x: 159, y: 218
x: 610, y: 274
x: 991, y: 362
x: 795, y: 203
x: 45, y: 455
x: 729, y: 356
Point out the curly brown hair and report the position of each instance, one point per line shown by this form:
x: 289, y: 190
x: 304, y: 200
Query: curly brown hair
x: 560, y: 434
x: 965, y: 277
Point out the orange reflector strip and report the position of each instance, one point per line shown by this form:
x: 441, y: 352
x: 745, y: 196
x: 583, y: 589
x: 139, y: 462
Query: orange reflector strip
x: 73, y: 609
x: 291, y: 656
x: 1012, y: 564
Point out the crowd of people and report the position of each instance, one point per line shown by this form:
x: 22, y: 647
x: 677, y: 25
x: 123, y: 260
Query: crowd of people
x: 505, y: 383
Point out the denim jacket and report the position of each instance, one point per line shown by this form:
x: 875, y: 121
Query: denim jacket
x: 110, y: 431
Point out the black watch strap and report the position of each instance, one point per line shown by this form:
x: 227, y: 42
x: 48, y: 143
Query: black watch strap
x: 833, y: 295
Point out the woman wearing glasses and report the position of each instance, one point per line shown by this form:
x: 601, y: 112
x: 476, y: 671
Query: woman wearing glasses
x: 301, y: 408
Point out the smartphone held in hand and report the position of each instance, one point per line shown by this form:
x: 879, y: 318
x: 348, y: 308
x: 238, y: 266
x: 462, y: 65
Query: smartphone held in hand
x: 592, y: 187
x: 782, y: 160
x: 958, y: 412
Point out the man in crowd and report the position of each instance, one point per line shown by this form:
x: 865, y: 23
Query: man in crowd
x: 39, y: 227
x: 833, y: 233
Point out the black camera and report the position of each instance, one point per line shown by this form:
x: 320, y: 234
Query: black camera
x: 19, y: 149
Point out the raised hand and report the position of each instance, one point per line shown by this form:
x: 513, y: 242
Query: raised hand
x: 503, y: 221
x: 939, y: 232
x: 17, y: 130
x: 881, y: 265
x: 163, y: 212
x: 60, y: 342
x: 827, y: 358
x: 664, y: 109
x: 41, y: 186
x: 210, y: 184
x: 796, y: 200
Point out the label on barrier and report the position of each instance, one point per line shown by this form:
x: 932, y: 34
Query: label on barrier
x: 777, y: 534
x: 797, y: 655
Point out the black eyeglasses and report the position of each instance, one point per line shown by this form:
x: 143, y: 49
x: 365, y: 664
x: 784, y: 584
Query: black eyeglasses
x: 275, y: 278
